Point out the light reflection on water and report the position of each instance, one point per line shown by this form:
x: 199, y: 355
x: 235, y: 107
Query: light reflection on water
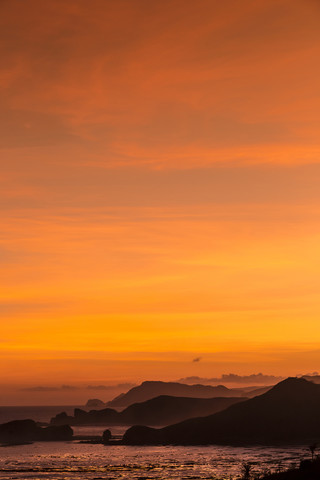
x: 74, y: 461
x: 98, y: 430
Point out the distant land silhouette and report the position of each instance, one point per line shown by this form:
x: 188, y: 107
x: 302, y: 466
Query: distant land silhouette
x: 95, y: 403
x: 151, y: 389
x: 20, y: 431
x: 288, y: 413
x: 248, y: 392
x: 161, y: 410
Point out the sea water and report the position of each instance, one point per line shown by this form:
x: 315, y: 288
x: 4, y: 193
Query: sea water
x: 76, y: 461
x: 79, y: 461
x: 37, y: 413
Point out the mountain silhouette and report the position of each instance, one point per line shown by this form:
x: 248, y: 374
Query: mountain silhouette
x: 162, y: 410
x: 152, y: 389
x: 288, y: 413
x: 95, y: 403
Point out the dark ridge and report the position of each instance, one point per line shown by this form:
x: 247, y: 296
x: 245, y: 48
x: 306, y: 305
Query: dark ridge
x: 95, y: 403
x: 288, y: 413
x: 257, y: 391
x: 299, y: 386
x: 162, y: 410
x: 151, y: 389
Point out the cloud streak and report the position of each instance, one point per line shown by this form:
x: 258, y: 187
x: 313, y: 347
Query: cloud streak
x: 63, y: 388
x: 197, y: 359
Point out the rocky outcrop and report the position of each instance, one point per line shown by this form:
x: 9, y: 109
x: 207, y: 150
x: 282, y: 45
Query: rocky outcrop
x: 106, y: 436
x: 20, y: 431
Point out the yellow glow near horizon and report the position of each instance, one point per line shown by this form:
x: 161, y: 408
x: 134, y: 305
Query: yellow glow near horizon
x: 159, y: 189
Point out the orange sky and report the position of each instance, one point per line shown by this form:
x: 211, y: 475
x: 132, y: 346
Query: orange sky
x: 159, y: 190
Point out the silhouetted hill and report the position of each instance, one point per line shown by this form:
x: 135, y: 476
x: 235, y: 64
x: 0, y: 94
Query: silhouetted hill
x: 151, y: 389
x: 251, y: 392
x: 95, y: 403
x: 256, y: 391
x: 161, y: 410
x: 19, y: 431
x: 288, y: 413
x: 165, y: 409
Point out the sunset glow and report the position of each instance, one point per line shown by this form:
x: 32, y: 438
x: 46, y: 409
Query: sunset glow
x: 160, y: 190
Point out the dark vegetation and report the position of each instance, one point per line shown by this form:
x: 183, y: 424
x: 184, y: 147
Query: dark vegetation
x: 288, y: 413
x: 161, y: 410
x: 308, y: 470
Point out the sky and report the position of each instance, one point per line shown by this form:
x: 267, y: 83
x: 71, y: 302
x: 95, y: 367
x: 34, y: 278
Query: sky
x: 159, y: 191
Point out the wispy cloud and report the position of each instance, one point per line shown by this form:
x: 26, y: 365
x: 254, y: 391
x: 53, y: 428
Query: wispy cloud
x: 44, y: 388
x: 124, y: 386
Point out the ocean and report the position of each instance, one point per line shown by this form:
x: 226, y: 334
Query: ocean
x: 37, y: 413
x: 77, y: 461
